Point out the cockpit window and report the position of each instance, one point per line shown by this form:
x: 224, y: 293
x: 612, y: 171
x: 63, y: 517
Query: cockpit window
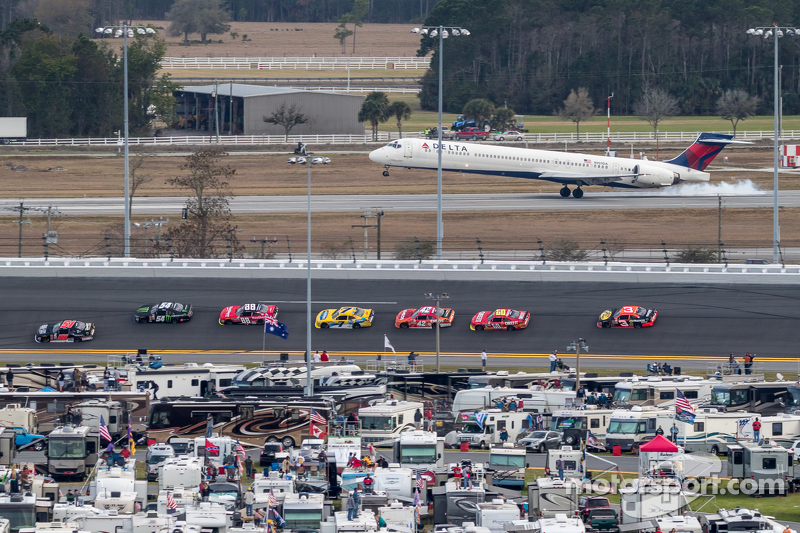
x: 393, y: 144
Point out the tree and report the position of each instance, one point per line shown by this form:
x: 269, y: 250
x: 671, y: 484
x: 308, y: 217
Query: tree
x: 149, y: 95
x: 288, y: 118
x: 356, y: 16
x: 374, y: 110
x: 401, y: 111
x: 697, y: 254
x: 136, y: 178
x: 69, y: 17
x: 504, y: 119
x: 577, y: 107
x: 415, y: 249
x: 566, y: 250
x: 736, y: 105
x: 198, y: 16
x: 654, y: 106
x: 480, y: 109
x: 342, y: 33
x: 208, y: 231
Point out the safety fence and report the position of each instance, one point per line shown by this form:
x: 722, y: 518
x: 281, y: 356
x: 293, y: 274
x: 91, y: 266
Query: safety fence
x: 296, y: 63
x: 618, y: 138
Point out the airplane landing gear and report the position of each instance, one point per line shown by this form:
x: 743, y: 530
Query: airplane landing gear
x: 565, y: 192
x: 386, y: 172
x: 577, y: 193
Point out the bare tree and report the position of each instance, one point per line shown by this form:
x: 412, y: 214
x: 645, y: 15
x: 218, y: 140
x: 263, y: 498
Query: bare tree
x: 736, y: 105
x: 137, y: 178
x: 654, y: 106
x: 577, y: 107
x: 288, y: 118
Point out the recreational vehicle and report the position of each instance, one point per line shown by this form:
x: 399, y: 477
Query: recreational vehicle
x: 419, y: 450
x: 483, y: 428
x: 711, y: 432
x: 548, y: 497
x: 384, y: 421
x: 661, y: 392
x: 528, y: 400
x: 768, y: 465
x: 575, y: 424
x: 764, y: 399
x: 631, y: 428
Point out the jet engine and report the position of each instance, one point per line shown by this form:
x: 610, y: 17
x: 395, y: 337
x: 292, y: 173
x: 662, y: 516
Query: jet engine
x: 652, y: 176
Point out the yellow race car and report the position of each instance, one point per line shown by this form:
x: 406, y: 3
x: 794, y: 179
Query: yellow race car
x: 345, y: 318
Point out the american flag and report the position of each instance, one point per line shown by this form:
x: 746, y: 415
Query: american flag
x: 171, y: 502
x: 683, y: 409
x: 240, y: 449
x: 420, y: 482
x: 318, y: 418
x: 271, y: 500
x: 104, y: 430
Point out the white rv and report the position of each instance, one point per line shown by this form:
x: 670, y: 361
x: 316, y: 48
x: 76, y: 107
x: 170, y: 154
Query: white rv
x: 495, y: 514
x: 561, y: 523
x: 575, y: 424
x: 571, y: 459
x: 180, y: 472
x: 303, y: 511
x: 548, y: 497
x: 631, y: 428
x: 113, y: 413
x: 650, y: 498
x: 482, y: 428
x: 419, y: 450
x: 783, y: 428
x: 14, y: 415
x: 386, y: 420
x: 660, y: 392
x: 273, y: 484
x: 528, y: 400
x: 711, y: 431
x: 189, y: 380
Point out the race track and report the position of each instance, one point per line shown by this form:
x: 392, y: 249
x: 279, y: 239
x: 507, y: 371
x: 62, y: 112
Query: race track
x: 693, y: 321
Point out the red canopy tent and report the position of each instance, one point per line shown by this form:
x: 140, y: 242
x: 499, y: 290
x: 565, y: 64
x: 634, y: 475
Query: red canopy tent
x: 659, y: 444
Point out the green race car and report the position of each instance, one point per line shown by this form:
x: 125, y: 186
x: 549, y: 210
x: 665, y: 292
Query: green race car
x: 164, y: 312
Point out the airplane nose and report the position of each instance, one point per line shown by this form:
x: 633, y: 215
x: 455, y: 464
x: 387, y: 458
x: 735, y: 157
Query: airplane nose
x: 373, y: 155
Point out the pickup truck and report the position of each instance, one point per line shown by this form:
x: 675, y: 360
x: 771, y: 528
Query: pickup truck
x: 473, y: 133
x: 447, y: 133
x: 25, y: 439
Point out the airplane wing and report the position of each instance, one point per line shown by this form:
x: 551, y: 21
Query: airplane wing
x: 584, y: 179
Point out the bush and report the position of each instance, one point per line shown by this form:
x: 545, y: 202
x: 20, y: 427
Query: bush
x: 697, y: 254
x: 331, y: 250
x: 415, y: 250
x: 566, y: 250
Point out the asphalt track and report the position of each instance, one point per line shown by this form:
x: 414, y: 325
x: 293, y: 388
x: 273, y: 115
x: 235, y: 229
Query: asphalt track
x: 694, y: 324
x: 667, y: 199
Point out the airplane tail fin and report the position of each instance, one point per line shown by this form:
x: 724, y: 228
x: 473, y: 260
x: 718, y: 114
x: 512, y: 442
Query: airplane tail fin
x: 700, y: 154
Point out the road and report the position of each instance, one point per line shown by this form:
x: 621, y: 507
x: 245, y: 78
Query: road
x: 694, y: 321
x: 667, y: 199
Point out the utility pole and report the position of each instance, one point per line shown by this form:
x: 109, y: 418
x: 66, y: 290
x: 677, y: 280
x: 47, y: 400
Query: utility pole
x: 719, y: 228
x: 22, y: 209
x: 216, y: 107
x: 377, y: 216
x: 608, y: 142
x: 437, y: 298
x: 576, y: 347
x: 50, y: 237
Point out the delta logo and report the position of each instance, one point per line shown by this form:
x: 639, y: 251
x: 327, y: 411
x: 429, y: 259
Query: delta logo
x: 425, y: 146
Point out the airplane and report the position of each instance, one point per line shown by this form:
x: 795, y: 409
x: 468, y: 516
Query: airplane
x: 560, y: 167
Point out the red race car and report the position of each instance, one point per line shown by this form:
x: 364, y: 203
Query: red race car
x: 508, y: 319
x: 247, y: 314
x: 630, y: 316
x: 424, y: 317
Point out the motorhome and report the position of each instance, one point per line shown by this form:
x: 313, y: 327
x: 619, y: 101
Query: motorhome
x: 739, y: 519
x: 592, y: 383
x: 398, y: 516
x: 19, y: 509
x: 72, y: 451
x: 112, y: 413
x: 396, y: 482
x: 8, y: 446
x: 273, y: 483
x: 711, y: 432
x: 339, y: 375
x: 508, y: 466
x: 764, y: 399
x: 382, y: 422
x: 548, y: 497
x: 156, y: 455
x: 419, y: 450
x: 14, y: 415
x: 483, y: 428
x: 303, y: 511
x: 651, y: 498
x: 496, y: 513
x: 769, y: 465
x: 661, y: 392
x: 576, y: 424
x: 782, y: 428
x: 189, y: 379
x: 180, y: 472
x: 338, y: 523
x: 631, y: 428
x: 528, y: 400
x: 520, y: 380
x: 225, y: 446
x: 116, y: 488
x: 455, y: 504
x: 571, y: 459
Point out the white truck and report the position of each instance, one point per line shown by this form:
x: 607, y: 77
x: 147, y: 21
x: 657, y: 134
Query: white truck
x: 382, y: 422
x: 13, y: 129
x: 419, y: 450
x: 529, y: 400
x: 483, y: 428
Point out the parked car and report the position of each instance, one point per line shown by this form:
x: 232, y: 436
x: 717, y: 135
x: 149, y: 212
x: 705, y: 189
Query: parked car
x: 540, y: 441
x: 588, y: 503
x: 795, y: 451
x: 28, y: 440
x: 272, y: 452
x: 473, y: 133
x: 510, y: 135
x: 602, y: 519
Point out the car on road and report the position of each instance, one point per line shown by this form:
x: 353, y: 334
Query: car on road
x: 629, y: 316
x: 247, y: 314
x: 601, y: 520
x: 164, y: 312
x: 65, y: 331
x: 473, y: 133
x: 272, y: 452
x: 541, y: 441
x: 345, y: 318
x: 510, y: 135
x: 587, y: 503
x: 424, y: 317
x: 506, y: 319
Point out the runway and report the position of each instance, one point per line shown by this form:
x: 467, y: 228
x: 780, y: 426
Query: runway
x: 696, y: 324
x: 422, y: 202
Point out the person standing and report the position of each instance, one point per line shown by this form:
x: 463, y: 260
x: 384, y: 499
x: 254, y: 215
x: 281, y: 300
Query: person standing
x: 154, y: 387
x: 357, y: 498
x: 317, y: 357
x: 76, y: 380
x: 324, y: 357
x: 560, y: 468
x: 429, y: 419
x: 351, y: 507
x: 674, y: 432
x: 14, y: 480
x: 553, y: 358
x: 70, y: 497
x: 285, y: 465
x: 756, y: 430
x: 248, y: 467
x: 748, y: 361
x: 484, y: 359
x: 205, y: 491
x: 322, y: 459
x: 503, y: 435
x: 581, y: 394
x: 249, y: 500
x: 418, y: 419
x: 60, y: 381
x: 660, y: 431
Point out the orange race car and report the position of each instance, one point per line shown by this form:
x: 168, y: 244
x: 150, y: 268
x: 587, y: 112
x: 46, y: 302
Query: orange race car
x: 507, y: 319
x: 424, y: 317
x: 630, y: 316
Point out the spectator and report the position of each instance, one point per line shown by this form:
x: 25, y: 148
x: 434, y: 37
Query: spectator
x: 205, y: 491
x: 76, y: 380
x: 77, y: 417
x: 368, y: 483
x: 60, y: 381
x: 126, y: 453
x: 660, y: 431
x: 756, y: 430
x: 484, y: 359
x: 10, y: 380
x: 457, y: 475
x: 581, y: 394
x: 249, y: 500
x: 560, y: 468
x: 248, y: 467
x: 429, y: 419
x: 674, y: 432
x: 285, y: 465
x: 503, y: 435
x: 418, y: 419
x: 322, y: 458
x: 748, y: 362
x: 317, y: 357
x: 70, y: 497
x: 357, y: 498
x: 324, y: 357
x: 351, y: 507
x: 154, y: 387
x: 553, y: 358
x: 258, y: 516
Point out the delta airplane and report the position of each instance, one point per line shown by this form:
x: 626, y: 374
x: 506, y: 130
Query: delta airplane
x: 559, y: 167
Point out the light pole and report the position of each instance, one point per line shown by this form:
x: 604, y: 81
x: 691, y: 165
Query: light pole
x: 437, y: 298
x: 308, y: 160
x: 776, y: 32
x: 576, y: 347
x: 126, y: 31
x: 443, y: 32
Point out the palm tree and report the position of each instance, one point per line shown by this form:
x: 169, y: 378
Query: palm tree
x: 374, y: 110
x: 401, y: 111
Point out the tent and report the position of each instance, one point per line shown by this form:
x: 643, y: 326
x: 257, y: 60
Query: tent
x: 659, y: 444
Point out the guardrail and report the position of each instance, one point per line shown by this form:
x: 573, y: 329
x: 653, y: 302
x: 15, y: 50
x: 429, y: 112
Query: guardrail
x: 296, y: 63
x: 680, y: 137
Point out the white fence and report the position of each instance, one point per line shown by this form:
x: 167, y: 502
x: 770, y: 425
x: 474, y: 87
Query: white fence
x: 296, y: 63
x: 682, y: 137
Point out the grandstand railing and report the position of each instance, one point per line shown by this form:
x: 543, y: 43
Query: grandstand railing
x: 296, y: 63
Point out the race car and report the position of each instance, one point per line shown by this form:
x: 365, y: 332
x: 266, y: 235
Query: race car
x: 65, y: 331
x: 164, y: 312
x: 630, y: 316
x: 507, y: 319
x: 424, y: 317
x: 345, y: 318
x: 247, y: 314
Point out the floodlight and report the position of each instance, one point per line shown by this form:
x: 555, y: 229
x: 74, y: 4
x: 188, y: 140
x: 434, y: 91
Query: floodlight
x: 99, y: 30
x: 465, y: 32
x: 140, y: 31
x: 445, y: 35
x: 434, y: 33
x: 455, y: 33
x: 415, y: 30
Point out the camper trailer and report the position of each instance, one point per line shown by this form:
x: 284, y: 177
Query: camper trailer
x: 495, y: 514
x: 112, y: 412
x: 782, y: 428
x: 631, y: 428
x: 650, y: 498
x: 548, y: 497
x: 482, y: 428
x: 14, y: 415
x: 303, y: 511
x: 454, y: 504
x: 571, y: 457
x: 768, y: 465
x: 711, y: 432
x: 529, y: 400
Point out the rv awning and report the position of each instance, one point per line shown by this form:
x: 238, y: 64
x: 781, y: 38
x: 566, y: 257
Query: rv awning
x: 658, y: 444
